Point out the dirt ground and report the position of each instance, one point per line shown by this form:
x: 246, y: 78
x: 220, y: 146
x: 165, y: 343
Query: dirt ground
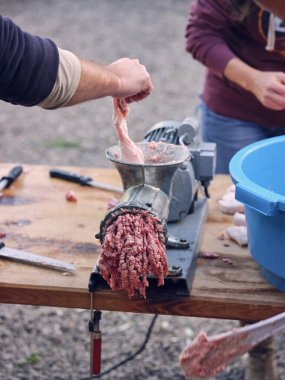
x: 43, y: 343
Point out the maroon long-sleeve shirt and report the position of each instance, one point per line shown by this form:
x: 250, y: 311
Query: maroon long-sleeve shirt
x: 215, y: 35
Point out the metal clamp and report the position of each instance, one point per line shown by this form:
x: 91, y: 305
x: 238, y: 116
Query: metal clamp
x: 174, y: 242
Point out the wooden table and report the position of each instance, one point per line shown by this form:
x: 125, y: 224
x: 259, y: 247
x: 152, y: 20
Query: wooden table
x: 37, y: 218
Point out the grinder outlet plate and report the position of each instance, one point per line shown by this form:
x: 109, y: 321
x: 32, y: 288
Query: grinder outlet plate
x: 181, y: 262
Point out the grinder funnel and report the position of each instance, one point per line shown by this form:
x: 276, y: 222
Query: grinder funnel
x: 147, y: 186
x: 160, y: 163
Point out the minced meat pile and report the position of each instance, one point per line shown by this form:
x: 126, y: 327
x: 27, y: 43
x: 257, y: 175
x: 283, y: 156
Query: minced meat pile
x: 133, y: 247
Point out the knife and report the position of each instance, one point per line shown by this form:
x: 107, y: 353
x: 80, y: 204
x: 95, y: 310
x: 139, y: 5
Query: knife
x: 83, y: 180
x: 31, y: 258
x: 7, y: 180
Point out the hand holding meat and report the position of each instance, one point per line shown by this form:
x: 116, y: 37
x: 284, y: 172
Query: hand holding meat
x: 134, y: 83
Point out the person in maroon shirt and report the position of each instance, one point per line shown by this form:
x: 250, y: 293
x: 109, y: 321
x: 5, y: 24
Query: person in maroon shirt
x: 275, y: 6
x: 242, y: 47
x: 243, y: 99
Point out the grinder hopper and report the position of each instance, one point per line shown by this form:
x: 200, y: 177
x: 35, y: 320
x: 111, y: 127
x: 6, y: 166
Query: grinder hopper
x: 148, y: 187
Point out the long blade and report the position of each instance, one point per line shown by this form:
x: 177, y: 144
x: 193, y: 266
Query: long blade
x: 31, y: 258
x: 105, y: 186
x: 3, y: 184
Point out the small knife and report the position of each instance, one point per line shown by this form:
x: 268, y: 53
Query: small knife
x: 31, y: 258
x: 7, y: 180
x: 83, y: 180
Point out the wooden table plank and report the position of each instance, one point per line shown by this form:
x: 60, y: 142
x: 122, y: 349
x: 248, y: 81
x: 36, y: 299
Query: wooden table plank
x: 37, y: 218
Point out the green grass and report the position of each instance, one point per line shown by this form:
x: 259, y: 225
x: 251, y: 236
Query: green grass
x: 32, y: 359
x: 62, y: 144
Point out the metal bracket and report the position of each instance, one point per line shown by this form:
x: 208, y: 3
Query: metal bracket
x: 174, y: 242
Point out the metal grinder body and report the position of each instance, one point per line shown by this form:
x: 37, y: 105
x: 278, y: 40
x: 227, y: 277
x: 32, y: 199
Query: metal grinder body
x: 170, y: 192
x: 199, y: 170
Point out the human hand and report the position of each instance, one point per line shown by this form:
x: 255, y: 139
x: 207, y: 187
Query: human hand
x: 269, y: 89
x: 134, y: 82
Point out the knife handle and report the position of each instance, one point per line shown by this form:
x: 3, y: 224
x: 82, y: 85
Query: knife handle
x: 71, y: 177
x: 12, y: 175
x: 2, y: 245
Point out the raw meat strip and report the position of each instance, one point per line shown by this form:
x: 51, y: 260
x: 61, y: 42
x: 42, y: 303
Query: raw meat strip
x: 130, y: 151
x: 238, y: 234
x: 133, y: 247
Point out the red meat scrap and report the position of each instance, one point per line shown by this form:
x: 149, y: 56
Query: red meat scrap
x: 133, y: 247
x: 2, y: 234
x: 70, y: 196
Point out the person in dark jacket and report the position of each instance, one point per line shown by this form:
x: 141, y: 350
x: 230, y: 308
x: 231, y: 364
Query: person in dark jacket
x: 34, y: 71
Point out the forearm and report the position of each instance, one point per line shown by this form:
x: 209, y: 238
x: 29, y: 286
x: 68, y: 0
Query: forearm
x: 241, y: 73
x: 96, y: 81
x: 268, y: 87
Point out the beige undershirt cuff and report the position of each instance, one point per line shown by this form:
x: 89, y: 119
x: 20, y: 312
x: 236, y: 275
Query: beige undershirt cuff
x: 67, y: 81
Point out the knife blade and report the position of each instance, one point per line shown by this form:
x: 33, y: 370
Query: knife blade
x: 7, y: 180
x: 83, y: 180
x: 33, y: 259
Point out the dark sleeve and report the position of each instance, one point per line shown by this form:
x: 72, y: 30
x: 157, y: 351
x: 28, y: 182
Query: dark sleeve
x: 28, y: 65
x: 208, y: 24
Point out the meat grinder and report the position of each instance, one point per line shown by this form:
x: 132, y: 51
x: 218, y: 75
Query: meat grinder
x: 176, y: 165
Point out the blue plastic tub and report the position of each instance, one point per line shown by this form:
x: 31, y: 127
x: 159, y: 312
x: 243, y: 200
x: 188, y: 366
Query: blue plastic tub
x: 258, y: 172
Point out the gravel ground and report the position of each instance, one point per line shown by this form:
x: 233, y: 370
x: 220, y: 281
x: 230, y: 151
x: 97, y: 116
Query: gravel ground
x: 43, y: 343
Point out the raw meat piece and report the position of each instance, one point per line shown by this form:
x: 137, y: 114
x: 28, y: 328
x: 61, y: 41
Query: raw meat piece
x: 221, y: 236
x: 228, y: 261
x: 239, y: 219
x: 2, y: 234
x: 231, y: 188
x: 133, y: 247
x: 228, y: 204
x: 238, y: 234
x: 209, y: 255
x: 129, y: 150
x: 207, y: 356
x: 112, y: 202
x: 70, y: 196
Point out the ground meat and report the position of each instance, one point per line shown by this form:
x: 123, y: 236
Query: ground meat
x: 133, y: 247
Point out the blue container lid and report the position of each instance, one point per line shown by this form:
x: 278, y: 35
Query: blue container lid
x: 258, y: 173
